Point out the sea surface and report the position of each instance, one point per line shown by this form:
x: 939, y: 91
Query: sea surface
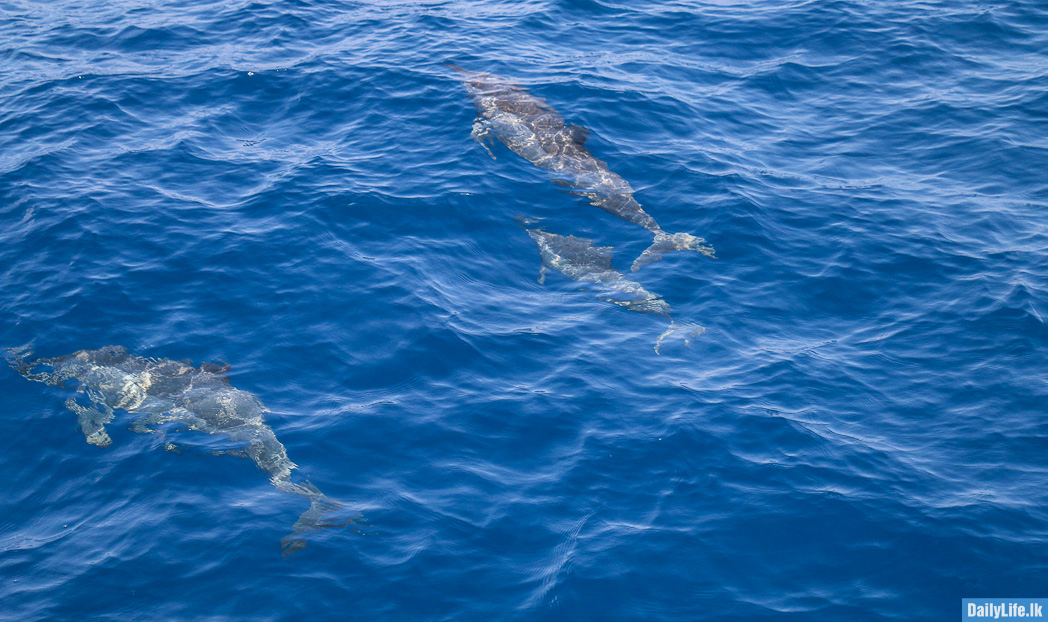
x: 860, y: 434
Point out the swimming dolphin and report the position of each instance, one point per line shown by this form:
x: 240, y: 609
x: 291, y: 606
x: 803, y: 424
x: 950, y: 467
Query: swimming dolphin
x: 532, y: 129
x: 579, y: 260
x: 159, y: 391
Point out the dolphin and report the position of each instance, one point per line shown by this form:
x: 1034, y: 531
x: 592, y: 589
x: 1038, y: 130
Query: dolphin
x: 157, y: 391
x: 532, y: 129
x: 579, y: 260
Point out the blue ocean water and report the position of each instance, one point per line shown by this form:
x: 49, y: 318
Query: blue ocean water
x: 860, y: 433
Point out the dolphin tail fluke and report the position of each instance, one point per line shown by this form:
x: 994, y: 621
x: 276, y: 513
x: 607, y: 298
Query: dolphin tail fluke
x: 669, y: 242
x: 313, y: 519
x: 674, y: 327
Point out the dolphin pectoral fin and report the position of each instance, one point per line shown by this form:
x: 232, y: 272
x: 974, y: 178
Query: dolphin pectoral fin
x: 92, y: 423
x: 487, y: 148
x: 482, y: 134
x: 99, y: 437
x: 666, y: 242
x: 543, y: 271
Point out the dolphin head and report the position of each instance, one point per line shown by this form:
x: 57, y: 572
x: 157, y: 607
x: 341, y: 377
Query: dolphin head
x: 55, y: 370
x: 82, y: 363
x: 106, y: 370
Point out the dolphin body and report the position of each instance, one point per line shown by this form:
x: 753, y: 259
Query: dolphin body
x: 159, y: 391
x: 577, y: 259
x: 532, y: 129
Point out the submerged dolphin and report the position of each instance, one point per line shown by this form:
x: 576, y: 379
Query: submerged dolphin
x: 532, y: 129
x: 160, y: 391
x: 579, y: 260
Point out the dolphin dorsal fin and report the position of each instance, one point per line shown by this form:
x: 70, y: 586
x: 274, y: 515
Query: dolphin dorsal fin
x: 220, y: 369
x: 579, y: 134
